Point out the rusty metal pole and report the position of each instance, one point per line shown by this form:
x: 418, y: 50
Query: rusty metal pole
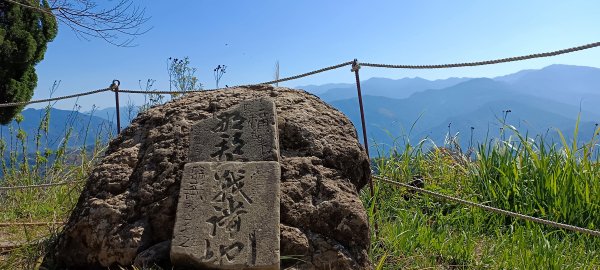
x: 115, y: 87
x: 355, y: 68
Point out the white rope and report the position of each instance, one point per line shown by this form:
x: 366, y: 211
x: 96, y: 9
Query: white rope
x: 40, y: 185
x: 295, y: 77
x: 468, y: 64
x: 489, y: 62
x: 11, y: 104
x: 492, y: 209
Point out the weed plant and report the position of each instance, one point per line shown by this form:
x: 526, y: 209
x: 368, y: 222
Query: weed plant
x: 527, y: 175
x: 22, y: 246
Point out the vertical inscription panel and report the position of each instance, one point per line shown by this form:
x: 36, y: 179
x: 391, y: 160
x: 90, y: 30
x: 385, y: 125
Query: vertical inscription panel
x: 246, y: 132
x: 228, y: 216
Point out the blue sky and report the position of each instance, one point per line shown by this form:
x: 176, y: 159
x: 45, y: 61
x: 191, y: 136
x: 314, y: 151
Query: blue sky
x: 250, y: 36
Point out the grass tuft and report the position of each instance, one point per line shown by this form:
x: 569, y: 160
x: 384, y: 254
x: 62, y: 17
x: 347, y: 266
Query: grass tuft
x: 23, y: 246
x: 526, y: 175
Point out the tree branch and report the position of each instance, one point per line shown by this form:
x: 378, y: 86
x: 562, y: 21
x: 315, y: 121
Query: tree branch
x: 118, y: 24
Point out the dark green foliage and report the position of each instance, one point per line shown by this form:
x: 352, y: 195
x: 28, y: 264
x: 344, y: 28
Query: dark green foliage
x: 24, y: 34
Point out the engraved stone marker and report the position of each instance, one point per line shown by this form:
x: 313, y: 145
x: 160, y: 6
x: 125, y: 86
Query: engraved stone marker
x: 228, y: 216
x: 247, y: 132
x: 228, y: 210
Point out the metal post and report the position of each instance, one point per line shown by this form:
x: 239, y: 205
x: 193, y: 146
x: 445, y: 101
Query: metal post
x: 355, y: 68
x: 115, y: 87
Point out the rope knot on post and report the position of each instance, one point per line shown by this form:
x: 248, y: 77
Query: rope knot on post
x: 114, y: 86
x: 355, y: 65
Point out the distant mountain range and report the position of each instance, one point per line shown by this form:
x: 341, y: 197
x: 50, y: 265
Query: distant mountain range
x: 564, y: 83
x: 110, y: 114
x: 82, y: 129
x: 533, y: 101
x: 383, y: 87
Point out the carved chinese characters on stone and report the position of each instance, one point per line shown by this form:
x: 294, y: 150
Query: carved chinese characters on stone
x: 228, y: 208
x: 232, y: 219
x: 247, y: 132
x: 189, y: 195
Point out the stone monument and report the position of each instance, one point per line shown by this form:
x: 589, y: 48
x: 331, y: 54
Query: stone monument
x: 228, y: 209
x: 127, y: 210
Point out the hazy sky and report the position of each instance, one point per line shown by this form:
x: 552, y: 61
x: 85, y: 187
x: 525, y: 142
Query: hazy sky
x: 250, y: 36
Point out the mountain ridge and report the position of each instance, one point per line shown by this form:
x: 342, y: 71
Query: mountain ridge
x: 481, y: 101
x: 81, y: 128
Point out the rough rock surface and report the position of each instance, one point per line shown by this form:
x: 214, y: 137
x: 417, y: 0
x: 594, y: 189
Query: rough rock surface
x: 126, y: 212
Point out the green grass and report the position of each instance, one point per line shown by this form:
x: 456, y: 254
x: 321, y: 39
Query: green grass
x: 530, y: 176
x: 25, y: 167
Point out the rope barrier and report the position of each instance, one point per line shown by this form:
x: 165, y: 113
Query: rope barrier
x: 6, y: 247
x: 158, y: 92
x: 491, y: 209
x: 295, y: 77
x: 40, y: 185
x: 469, y: 64
x: 309, y: 73
x: 53, y: 99
x: 489, y: 62
x: 9, y: 224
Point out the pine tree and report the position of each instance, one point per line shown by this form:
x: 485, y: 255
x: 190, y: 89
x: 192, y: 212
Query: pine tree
x: 24, y: 35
